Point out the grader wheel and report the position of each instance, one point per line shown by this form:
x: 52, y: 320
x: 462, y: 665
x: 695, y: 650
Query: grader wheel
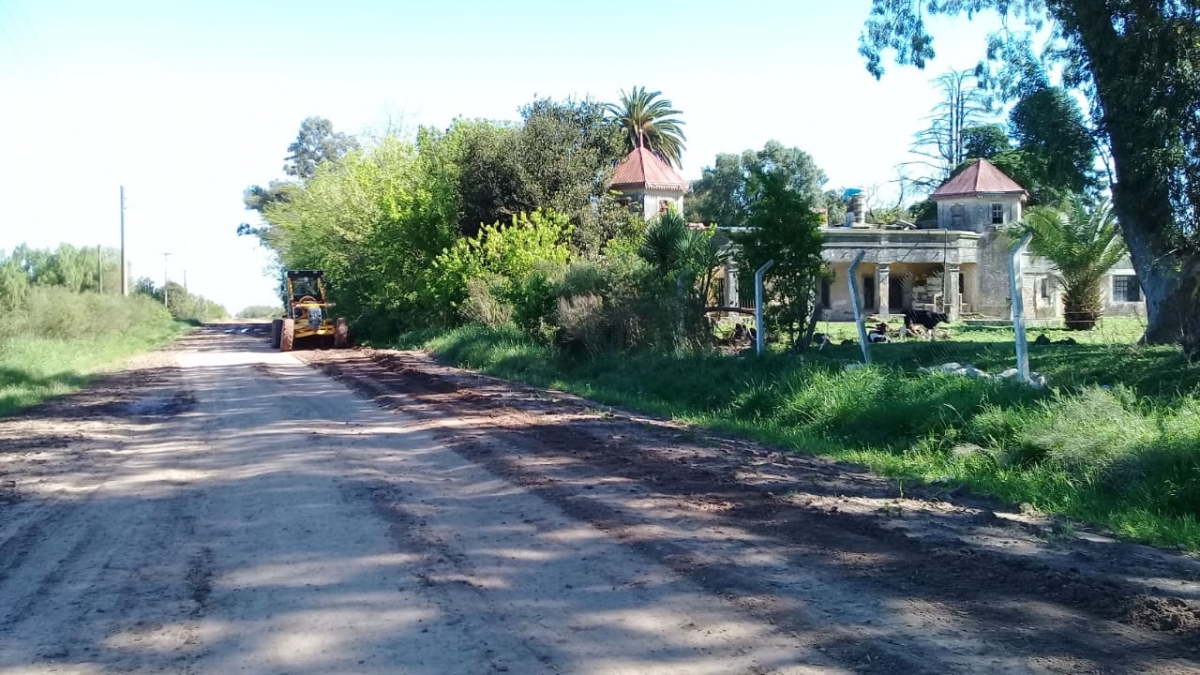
x: 341, y: 334
x: 276, y: 333
x: 287, y: 336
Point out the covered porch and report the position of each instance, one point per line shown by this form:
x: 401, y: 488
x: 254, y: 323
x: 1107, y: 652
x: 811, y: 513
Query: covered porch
x: 932, y: 270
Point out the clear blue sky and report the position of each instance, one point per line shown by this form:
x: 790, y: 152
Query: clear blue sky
x: 186, y: 104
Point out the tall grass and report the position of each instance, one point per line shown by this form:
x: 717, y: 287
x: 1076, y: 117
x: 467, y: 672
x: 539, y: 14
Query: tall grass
x: 1112, y: 444
x: 57, y: 339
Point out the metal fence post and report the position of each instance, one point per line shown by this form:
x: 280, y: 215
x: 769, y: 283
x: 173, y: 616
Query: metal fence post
x: 759, y: 329
x: 859, y: 320
x: 1018, y: 306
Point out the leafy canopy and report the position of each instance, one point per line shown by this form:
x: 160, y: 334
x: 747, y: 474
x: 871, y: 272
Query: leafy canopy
x: 316, y: 143
x: 726, y: 192
x: 513, y: 251
x: 783, y: 227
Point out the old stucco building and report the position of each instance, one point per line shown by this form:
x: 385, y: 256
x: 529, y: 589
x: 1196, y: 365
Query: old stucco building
x: 960, y: 266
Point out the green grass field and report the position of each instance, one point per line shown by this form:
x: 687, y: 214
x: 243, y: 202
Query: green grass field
x: 60, y: 340
x: 1114, y: 439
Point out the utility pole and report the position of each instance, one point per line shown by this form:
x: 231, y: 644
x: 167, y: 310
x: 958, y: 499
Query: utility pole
x: 99, y: 269
x: 124, y: 269
x: 166, y: 279
x: 185, y: 288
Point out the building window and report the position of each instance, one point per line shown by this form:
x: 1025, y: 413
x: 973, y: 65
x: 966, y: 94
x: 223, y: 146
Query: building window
x: 664, y: 205
x: 1044, y: 288
x: 1125, y: 288
x: 826, y: 290
x: 997, y: 214
x: 868, y: 296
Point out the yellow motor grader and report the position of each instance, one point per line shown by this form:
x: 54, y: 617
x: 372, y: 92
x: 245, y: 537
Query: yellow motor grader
x: 306, y: 301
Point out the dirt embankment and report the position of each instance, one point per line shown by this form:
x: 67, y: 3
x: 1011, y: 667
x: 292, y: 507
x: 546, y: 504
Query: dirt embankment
x: 897, y: 583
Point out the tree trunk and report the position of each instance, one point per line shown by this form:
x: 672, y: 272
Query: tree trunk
x: 1079, y: 314
x: 1170, y: 281
x: 1132, y: 99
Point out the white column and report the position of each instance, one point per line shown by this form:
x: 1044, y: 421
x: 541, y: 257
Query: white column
x: 882, y: 282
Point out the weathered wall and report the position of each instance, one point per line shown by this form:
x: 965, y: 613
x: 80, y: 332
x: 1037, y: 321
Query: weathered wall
x: 651, y: 198
x: 977, y: 211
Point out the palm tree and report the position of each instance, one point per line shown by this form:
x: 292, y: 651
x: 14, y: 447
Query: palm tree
x: 1084, y: 244
x: 646, y: 121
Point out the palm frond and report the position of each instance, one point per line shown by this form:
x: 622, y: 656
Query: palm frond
x: 649, y: 121
x: 1084, y: 243
x: 665, y: 245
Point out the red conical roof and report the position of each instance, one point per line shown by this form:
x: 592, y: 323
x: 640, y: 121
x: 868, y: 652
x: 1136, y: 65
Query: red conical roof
x: 642, y: 169
x: 982, y: 177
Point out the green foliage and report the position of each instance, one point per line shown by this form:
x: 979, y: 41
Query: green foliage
x: 985, y: 141
x: 374, y: 221
x: 56, y: 337
x: 1084, y: 244
x: 1050, y: 131
x: 727, y: 191
x: 645, y: 120
x: 315, y: 144
x: 508, y: 252
x: 687, y: 260
x: 783, y: 227
x: 75, y: 268
x: 560, y: 158
x: 182, y: 305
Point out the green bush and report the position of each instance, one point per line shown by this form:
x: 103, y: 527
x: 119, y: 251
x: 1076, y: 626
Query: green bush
x: 534, y: 301
x: 56, y: 338
x: 511, y: 252
x: 57, y: 313
x: 482, y: 306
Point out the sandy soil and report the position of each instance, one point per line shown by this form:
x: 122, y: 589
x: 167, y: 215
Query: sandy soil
x: 221, y: 508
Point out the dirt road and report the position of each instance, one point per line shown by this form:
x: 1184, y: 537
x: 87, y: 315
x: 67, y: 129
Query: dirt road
x: 221, y: 508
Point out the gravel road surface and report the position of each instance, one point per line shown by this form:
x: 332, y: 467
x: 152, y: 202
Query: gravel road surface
x: 221, y: 508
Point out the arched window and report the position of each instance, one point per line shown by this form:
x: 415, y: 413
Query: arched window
x: 958, y: 217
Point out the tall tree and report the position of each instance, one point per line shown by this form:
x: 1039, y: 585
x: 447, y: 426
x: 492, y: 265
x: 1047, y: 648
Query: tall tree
x: 726, y: 192
x: 316, y: 143
x: 943, y: 144
x: 560, y: 157
x: 784, y: 227
x: 985, y: 141
x: 1138, y: 61
x: 649, y: 121
x: 1050, y: 130
x: 1084, y: 244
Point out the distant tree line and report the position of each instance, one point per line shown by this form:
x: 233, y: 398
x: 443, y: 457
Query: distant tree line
x: 88, y: 270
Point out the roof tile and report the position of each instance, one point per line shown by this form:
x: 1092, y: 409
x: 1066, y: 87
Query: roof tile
x: 642, y: 169
x: 982, y: 177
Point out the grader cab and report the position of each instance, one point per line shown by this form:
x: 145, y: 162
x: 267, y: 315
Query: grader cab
x: 306, y: 313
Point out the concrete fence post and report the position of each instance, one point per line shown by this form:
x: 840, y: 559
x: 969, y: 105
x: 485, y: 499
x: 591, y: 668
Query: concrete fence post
x: 856, y: 302
x: 760, y: 330
x: 1017, y: 288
